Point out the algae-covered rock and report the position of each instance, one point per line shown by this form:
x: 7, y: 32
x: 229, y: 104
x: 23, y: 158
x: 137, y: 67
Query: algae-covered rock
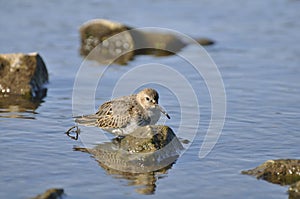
x: 149, y: 139
x: 23, y: 75
x: 282, y: 171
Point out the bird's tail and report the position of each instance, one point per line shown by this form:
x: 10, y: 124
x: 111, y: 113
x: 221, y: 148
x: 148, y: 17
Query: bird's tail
x: 86, y: 120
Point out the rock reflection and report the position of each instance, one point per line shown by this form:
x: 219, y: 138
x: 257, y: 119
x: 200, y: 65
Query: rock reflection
x: 141, y: 157
x: 145, y: 183
x: 14, y: 106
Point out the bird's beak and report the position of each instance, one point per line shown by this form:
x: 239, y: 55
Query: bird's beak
x: 163, y: 111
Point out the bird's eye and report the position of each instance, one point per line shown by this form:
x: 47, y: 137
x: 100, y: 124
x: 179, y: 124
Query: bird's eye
x: 147, y: 98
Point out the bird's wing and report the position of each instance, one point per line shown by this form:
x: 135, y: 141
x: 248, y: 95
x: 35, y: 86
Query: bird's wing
x: 117, y: 113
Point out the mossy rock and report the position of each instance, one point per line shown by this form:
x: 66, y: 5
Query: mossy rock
x: 282, y: 171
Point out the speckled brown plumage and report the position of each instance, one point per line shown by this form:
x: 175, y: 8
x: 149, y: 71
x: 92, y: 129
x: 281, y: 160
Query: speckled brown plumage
x: 124, y: 114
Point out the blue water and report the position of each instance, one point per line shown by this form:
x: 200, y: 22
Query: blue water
x: 256, y: 51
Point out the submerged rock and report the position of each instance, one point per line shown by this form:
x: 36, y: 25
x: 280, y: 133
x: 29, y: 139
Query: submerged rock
x: 282, y: 171
x: 53, y: 193
x: 23, y: 75
x: 120, y: 43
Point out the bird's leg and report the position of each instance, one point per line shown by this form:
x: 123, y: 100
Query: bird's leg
x: 71, y: 130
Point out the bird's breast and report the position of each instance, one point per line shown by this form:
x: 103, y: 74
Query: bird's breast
x: 154, y: 115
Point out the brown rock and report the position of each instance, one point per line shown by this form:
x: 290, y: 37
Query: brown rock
x: 116, y: 49
x: 282, y: 171
x: 205, y: 41
x: 120, y: 43
x: 22, y: 74
x: 149, y: 139
x: 53, y: 193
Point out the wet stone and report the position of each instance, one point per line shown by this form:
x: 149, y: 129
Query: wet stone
x: 23, y: 75
x: 149, y: 139
x: 112, y: 42
x: 116, y: 44
x: 282, y: 171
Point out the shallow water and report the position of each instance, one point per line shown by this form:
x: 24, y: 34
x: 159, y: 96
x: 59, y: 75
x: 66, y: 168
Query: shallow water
x: 257, y: 53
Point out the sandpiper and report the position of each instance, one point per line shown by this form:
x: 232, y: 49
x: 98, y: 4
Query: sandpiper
x: 122, y: 115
